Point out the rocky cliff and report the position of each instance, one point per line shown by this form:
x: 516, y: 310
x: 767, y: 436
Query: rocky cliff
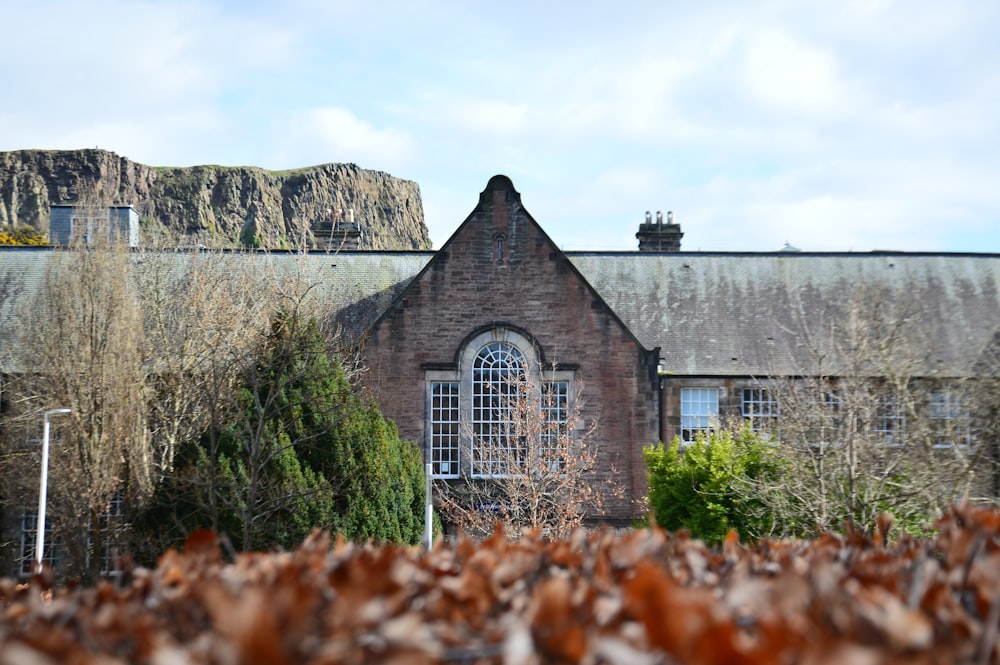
x: 216, y: 205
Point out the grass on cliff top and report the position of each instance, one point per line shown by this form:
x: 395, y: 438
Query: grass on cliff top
x: 276, y: 172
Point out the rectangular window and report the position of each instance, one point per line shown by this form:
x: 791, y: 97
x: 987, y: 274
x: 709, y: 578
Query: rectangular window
x: 444, y: 434
x: 760, y: 410
x: 29, y: 535
x: 112, y: 524
x: 699, y: 412
x: 890, y: 421
x: 555, y: 415
x: 949, y: 421
x: 824, y: 427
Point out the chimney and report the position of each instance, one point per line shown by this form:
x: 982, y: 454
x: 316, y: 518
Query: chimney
x: 347, y: 235
x: 337, y: 234
x: 659, y: 236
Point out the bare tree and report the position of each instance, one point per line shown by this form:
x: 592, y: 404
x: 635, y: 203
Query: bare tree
x: 251, y: 406
x: 864, y: 427
x: 986, y: 411
x: 82, y: 337
x: 204, y: 314
x: 150, y: 348
x: 207, y: 314
x: 538, y: 469
x: 203, y: 317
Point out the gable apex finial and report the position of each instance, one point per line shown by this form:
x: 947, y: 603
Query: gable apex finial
x: 499, y: 183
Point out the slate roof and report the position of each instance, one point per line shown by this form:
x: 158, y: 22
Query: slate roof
x: 712, y: 314
x: 359, y: 284
x: 760, y: 314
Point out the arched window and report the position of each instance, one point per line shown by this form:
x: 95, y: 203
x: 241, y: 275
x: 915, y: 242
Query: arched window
x: 498, y: 385
x: 483, y: 415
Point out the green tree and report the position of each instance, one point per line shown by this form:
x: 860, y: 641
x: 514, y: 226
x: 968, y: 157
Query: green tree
x: 703, y: 487
x: 301, y: 451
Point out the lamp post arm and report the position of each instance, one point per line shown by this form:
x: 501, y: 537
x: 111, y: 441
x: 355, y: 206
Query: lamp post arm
x: 43, y: 490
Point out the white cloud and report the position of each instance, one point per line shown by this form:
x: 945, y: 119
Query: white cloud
x: 132, y: 138
x: 492, y: 116
x: 136, y: 52
x: 840, y: 206
x: 151, y: 80
x: 787, y: 75
x: 827, y: 222
x: 336, y: 134
x: 756, y: 123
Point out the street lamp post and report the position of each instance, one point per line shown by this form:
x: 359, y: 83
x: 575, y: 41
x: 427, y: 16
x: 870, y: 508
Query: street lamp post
x: 428, y: 508
x: 43, y: 489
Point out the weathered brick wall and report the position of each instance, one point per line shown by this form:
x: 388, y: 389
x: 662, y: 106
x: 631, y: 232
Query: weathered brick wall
x: 531, y: 286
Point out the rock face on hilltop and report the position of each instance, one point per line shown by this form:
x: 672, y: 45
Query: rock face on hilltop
x: 215, y: 205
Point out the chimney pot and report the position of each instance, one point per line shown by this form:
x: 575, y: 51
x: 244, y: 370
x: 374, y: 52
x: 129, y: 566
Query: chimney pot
x: 659, y: 238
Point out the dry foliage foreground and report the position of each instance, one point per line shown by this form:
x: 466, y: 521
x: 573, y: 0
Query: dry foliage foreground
x: 643, y: 597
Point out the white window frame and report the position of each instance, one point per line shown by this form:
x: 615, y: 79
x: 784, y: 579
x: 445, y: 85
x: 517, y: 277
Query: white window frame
x: 949, y: 419
x: 463, y: 375
x: 444, y: 417
x: 499, y: 378
x: 889, y: 423
x: 699, y: 412
x: 760, y: 409
x: 555, y: 420
x: 825, y: 420
x: 52, y: 553
x: 113, y: 520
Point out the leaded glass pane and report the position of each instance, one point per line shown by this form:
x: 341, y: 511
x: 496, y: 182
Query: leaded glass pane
x: 498, y: 383
x: 699, y: 412
x: 445, y: 428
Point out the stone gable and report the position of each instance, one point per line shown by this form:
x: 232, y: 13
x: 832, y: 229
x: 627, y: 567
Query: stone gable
x: 501, y: 271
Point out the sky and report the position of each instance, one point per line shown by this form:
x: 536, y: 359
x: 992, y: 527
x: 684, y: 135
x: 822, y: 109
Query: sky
x: 840, y: 125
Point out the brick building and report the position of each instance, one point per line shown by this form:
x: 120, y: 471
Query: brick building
x: 500, y: 285
x: 662, y: 343
x: 649, y: 344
